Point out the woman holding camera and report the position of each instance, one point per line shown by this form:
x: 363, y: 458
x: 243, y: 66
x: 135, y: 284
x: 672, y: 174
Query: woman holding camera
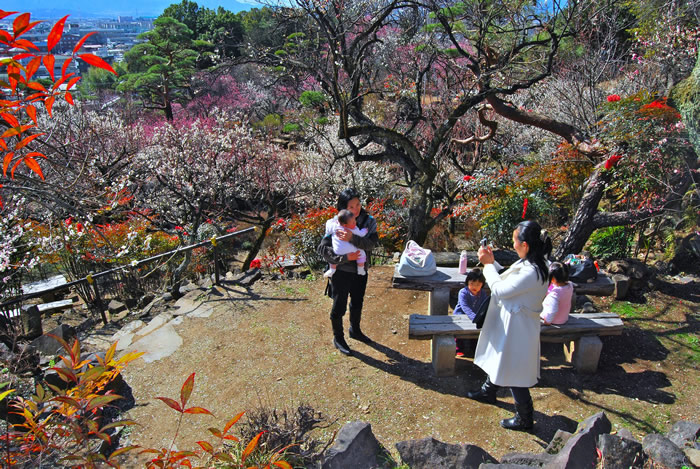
x: 508, y: 349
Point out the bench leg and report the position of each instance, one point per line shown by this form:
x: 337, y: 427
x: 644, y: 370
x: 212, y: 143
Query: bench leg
x: 584, y: 353
x: 439, y: 302
x: 442, y: 353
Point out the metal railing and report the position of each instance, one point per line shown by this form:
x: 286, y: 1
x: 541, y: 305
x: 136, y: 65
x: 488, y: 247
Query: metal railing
x: 93, y: 284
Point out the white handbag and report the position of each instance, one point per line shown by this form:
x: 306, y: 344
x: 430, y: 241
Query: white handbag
x: 416, y: 261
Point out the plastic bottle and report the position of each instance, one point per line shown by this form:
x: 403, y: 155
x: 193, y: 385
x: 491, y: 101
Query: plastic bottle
x: 463, y: 263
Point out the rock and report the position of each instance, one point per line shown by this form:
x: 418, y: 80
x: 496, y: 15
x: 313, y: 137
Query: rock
x: 527, y: 459
x: 663, y: 451
x: 558, y: 441
x: 188, y: 287
x: 632, y: 268
x: 248, y: 278
x: 167, y: 296
x: 686, y: 258
x: 153, y: 303
x: 154, y: 324
x: 48, y: 345
x: 146, y: 300
x: 624, y: 433
x: 693, y: 456
x: 304, y: 273
x: 160, y: 343
x: 124, y: 336
x: 115, y: 307
x: 504, y: 466
x: 620, y: 452
x: 31, y: 321
x: 588, y: 308
x: 683, y: 433
x: 622, y: 286
x: 355, y: 447
x: 580, y: 450
x: 429, y: 453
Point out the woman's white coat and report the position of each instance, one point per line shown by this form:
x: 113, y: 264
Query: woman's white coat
x: 509, y: 344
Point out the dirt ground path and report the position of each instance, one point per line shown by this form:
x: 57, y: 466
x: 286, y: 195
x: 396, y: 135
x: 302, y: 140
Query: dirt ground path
x: 271, y: 346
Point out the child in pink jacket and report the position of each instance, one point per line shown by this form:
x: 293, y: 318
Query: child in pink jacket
x: 557, y: 303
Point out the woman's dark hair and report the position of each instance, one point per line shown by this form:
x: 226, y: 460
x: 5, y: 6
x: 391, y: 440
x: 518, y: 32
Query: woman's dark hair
x: 530, y: 232
x: 559, y: 272
x: 346, y: 196
x: 475, y: 275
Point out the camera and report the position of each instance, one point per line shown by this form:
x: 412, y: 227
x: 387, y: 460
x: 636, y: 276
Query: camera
x: 485, y: 242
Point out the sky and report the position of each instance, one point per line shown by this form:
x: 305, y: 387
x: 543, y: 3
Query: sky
x: 111, y: 8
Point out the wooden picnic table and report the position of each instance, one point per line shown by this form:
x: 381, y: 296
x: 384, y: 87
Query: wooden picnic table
x: 445, y: 279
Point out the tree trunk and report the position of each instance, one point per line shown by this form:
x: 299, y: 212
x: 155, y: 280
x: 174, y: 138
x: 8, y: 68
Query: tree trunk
x: 582, y: 225
x: 257, y: 244
x: 419, y: 220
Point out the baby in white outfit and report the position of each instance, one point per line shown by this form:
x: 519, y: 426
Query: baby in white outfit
x: 346, y: 220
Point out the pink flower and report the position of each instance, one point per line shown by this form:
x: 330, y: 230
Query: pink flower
x: 467, y: 177
x: 525, y: 202
x: 613, y: 98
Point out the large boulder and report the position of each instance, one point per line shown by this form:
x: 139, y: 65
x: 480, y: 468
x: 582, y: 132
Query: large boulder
x: 620, y: 452
x: 356, y: 447
x: 684, y: 433
x: 47, y: 345
x: 663, y: 452
x: 429, y: 453
x: 580, y: 450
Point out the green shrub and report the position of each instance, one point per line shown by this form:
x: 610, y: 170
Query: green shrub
x: 312, y: 99
x: 291, y: 127
x: 506, y: 211
x: 613, y: 242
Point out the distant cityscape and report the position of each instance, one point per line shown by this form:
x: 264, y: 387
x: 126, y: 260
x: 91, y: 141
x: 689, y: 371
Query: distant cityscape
x: 113, y: 38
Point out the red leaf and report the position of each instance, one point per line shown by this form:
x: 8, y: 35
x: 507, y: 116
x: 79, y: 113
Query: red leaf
x: 198, y: 410
x: 33, y: 165
x: 69, y: 98
x: 31, y: 112
x: 35, y: 85
x: 96, y: 61
x: 82, y: 41
x: 72, y: 82
x: 10, y: 119
x: 171, y: 403
x: 20, y: 23
x: 23, y: 55
x: 49, y: 104
x: 26, y: 140
x: 27, y: 29
x: 206, y: 446
x: 61, y: 80
x: 186, y: 390
x: 233, y: 421
x: 5, y: 14
x: 55, y: 34
x: 32, y: 67
x: 251, y: 446
x: 282, y: 464
x: 49, y: 64
x: 66, y: 63
x: 6, y: 162
x: 25, y: 44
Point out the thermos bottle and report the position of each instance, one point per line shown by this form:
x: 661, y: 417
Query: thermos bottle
x: 463, y: 263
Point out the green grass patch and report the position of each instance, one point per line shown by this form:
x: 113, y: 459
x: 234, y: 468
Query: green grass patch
x: 630, y: 310
x: 692, y: 342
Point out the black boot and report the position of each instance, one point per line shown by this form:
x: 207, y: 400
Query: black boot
x: 355, y: 331
x: 487, y: 393
x: 339, y: 337
x: 523, y: 418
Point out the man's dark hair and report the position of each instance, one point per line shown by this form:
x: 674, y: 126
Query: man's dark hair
x: 475, y: 275
x: 345, y: 216
x: 346, y: 196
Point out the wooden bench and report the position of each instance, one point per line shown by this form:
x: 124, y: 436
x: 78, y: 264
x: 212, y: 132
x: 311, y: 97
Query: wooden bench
x: 580, y: 336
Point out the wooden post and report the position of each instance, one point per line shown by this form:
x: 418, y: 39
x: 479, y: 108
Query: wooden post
x: 216, y: 260
x: 98, y: 299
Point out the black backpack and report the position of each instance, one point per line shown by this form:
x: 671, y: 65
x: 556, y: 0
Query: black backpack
x: 583, y: 272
